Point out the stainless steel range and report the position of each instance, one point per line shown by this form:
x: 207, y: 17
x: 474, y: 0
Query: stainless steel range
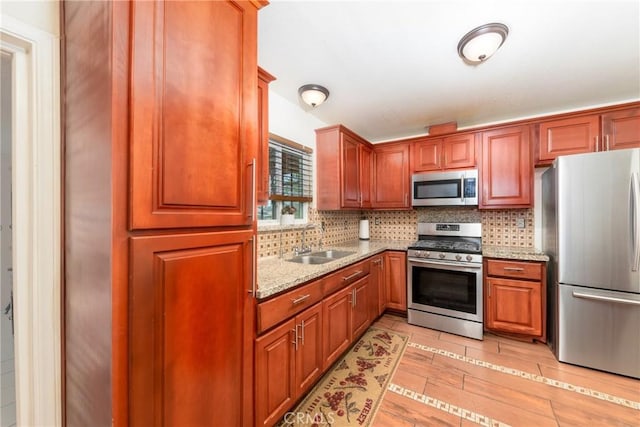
x: 444, y: 278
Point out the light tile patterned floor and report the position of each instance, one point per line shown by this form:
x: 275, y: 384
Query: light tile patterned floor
x: 444, y: 379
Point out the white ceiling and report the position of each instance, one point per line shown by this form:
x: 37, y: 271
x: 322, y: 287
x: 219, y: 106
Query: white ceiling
x: 393, y: 69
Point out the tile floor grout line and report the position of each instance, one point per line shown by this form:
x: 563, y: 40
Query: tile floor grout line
x: 533, y: 377
x: 449, y: 408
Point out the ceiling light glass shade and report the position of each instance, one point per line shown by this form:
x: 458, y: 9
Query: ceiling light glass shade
x: 480, y: 43
x: 313, y: 95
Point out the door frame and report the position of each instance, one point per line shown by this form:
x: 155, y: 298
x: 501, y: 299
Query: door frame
x: 37, y: 247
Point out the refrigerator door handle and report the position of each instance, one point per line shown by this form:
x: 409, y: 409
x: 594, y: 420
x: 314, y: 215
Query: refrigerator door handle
x: 635, y: 226
x: 605, y: 299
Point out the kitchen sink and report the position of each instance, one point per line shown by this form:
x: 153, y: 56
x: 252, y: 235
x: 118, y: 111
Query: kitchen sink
x: 332, y: 254
x: 320, y: 257
x: 310, y: 259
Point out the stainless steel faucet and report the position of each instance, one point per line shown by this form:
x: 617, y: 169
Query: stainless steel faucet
x: 304, y: 249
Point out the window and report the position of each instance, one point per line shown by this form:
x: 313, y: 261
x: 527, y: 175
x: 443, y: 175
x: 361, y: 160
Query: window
x: 290, y: 180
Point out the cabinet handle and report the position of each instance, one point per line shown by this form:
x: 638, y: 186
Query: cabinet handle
x: 298, y: 300
x: 351, y: 276
x: 597, y: 143
x: 302, y: 330
x: 606, y: 139
x: 295, y: 337
x: 519, y: 269
x: 353, y: 298
x: 254, y: 268
x: 406, y: 197
x: 254, y: 189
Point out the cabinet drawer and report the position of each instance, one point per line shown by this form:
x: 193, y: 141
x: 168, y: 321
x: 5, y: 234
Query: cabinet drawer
x: 282, y: 307
x: 516, y: 269
x: 343, y: 277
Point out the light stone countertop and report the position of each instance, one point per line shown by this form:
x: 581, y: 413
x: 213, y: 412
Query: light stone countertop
x: 513, y: 252
x: 276, y: 275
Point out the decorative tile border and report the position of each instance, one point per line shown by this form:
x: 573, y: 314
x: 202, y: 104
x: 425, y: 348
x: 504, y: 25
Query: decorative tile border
x: 533, y: 377
x: 483, y: 420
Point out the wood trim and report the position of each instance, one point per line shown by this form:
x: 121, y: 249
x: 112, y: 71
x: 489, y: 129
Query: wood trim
x: 290, y: 143
x: 37, y: 206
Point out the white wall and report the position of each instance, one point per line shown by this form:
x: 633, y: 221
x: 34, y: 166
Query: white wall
x: 44, y: 14
x: 291, y: 121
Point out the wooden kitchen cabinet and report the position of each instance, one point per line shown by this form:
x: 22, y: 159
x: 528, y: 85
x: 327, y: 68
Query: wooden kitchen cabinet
x: 568, y: 136
x: 275, y: 373
x: 377, y: 290
x: 192, y: 125
x: 343, y: 182
x: 360, y: 308
x: 337, y: 321
x: 288, y: 362
x: 395, y: 266
x: 188, y: 292
x: 391, y: 177
x: 434, y: 154
x: 612, y: 130
x: 621, y: 129
x: 160, y: 130
x: 506, y: 169
x: 366, y: 175
x: 515, y: 297
x: 262, y: 149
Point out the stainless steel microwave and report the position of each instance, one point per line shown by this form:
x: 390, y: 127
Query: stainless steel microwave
x: 453, y: 188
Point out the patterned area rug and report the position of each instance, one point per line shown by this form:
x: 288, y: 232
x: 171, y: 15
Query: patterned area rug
x: 349, y: 394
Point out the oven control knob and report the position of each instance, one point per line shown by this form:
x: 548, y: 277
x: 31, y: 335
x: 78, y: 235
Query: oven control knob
x: 441, y: 256
x: 458, y: 257
x: 427, y: 254
x: 469, y: 258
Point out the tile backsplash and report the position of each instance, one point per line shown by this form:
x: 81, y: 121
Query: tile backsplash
x: 499, y: 227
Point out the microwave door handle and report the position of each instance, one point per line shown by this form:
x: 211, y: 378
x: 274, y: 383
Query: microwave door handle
x: 462, y: 188
x: 635, y: 226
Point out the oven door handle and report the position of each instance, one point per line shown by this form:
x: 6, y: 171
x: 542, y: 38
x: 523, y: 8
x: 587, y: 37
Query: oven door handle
x: 459, y: 266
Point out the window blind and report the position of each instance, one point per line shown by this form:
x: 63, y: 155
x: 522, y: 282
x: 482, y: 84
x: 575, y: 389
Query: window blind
x: 290, y: 171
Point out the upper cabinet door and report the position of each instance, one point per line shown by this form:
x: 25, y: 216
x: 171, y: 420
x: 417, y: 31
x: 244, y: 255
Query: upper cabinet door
x: 426, y: 155
x: 621, y: 129
x: 460, y: 151
x: 193, y: 114
x: 568, y: 136
x: 506, y: 170
x: 391, y: 176
x: 350, y: 172
x: 366, y: 161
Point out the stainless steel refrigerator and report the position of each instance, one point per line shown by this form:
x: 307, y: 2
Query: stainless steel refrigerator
x: 591, y: 232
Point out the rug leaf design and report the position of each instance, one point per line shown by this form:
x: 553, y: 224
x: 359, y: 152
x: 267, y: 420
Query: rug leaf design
x: 350, y: 392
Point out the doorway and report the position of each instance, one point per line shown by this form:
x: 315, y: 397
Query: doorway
x: 32, y: 175
x: 7, y: 359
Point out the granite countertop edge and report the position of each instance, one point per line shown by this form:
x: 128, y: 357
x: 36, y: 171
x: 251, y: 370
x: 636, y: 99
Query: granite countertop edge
x: 276, y: 275
x: 513, y: 252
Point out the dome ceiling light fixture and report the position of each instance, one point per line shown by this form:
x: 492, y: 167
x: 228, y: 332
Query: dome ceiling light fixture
x: 480, y: 43
x: 313, y: 95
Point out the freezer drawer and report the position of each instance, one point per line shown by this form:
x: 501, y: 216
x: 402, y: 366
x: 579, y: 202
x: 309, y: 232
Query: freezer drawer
x: 599, y: 329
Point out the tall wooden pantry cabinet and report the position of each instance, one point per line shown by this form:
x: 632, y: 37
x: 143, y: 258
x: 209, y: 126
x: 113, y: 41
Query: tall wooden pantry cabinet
x: 160, y: 133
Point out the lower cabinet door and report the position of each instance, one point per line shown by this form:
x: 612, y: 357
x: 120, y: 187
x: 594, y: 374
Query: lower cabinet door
x: 396, y: 278
x: 275, y: 381
x: 309, y: 362
x: 189, y: 345
x: 336, y: 320
x: 361, y: 308
x: 514, y: 306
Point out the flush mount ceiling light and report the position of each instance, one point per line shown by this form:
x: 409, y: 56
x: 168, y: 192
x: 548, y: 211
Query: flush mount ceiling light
x: 313, y: 95
x: 480, y: 43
